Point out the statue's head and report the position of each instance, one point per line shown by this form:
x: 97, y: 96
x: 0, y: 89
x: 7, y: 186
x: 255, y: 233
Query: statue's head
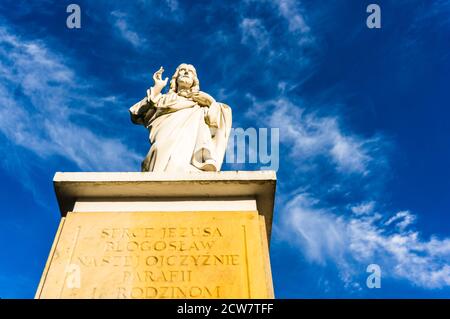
x: 185, y: 79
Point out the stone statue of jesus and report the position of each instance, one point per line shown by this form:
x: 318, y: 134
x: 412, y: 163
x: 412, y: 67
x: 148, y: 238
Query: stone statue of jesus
x: 189, y: 130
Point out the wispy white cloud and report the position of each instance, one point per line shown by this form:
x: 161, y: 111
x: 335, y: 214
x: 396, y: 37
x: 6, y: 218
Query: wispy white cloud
x: 265, y: 37
x: 352, y: 242
x: 349, y: 235
x: 363, y: 208
x: 254, y: 33
x: 290, y: 10
x: 310, y: 225
x: 39, y: 95
x: 173, y: 5
x: 312, y: 136
x: 401, y: 220
x: 122, y: 24
x: 352, y: 235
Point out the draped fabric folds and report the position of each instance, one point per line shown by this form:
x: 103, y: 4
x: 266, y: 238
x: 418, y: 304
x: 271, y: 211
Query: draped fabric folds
x: 184, y: 136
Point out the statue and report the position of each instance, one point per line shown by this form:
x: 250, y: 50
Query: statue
x: 189, y: 130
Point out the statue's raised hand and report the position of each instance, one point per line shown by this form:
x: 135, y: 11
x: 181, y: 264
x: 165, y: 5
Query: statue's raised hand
x: 157, y: 78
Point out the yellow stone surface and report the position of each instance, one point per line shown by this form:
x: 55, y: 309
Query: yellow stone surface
x: 159, y: 255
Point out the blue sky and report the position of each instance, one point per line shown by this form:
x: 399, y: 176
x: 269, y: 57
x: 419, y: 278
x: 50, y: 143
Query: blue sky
x: 363, y: 117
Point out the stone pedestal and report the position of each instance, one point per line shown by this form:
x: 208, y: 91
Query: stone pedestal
x: 158, y: 235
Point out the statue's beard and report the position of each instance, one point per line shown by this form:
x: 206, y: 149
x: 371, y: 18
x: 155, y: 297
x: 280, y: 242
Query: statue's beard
x: 187, y: 93
x: 185, y: 89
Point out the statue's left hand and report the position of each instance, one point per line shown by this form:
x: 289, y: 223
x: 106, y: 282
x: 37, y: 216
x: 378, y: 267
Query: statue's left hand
x: 202, y: 98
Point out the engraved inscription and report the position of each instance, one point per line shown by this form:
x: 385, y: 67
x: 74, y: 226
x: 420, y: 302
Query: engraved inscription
x: 155, y: 255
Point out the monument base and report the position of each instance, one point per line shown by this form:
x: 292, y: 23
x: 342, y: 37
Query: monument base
x: 149, y: 235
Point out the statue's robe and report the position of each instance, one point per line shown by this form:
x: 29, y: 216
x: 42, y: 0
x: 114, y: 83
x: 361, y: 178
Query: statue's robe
x: 184, y: 136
